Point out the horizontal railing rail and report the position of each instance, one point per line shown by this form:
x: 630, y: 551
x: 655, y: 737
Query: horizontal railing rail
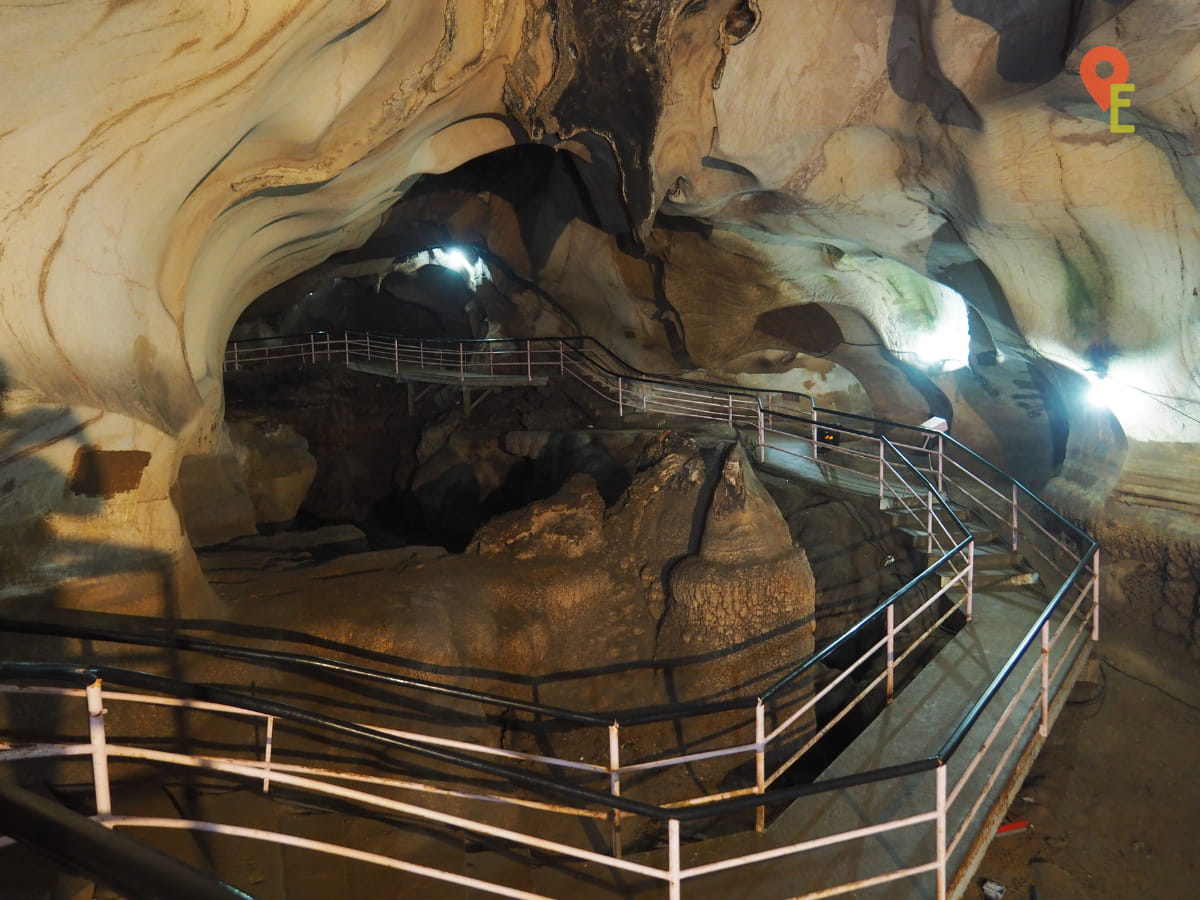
x: 922, y: 473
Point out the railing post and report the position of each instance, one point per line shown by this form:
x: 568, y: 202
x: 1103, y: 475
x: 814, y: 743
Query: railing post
x: 312, y: 349
x: 760, y: 763
x: 462, y: 362
x: 1044, y: 727
x: 95, y: 708
x: 971, y: 580
x: 673, y: 886
x: 731, y: 409
x: 620, y: 395
x: 367, y: 341
x: 941, y: 460
x: 614, y: 782
x: 880, y: 469
x: 929, y: 519
x: 421, y: 353
x: 762, y: 437
x: 1096, y: 595
x: 396, y: 353
x: 891, y: 651
x: 235, y: 357
x: 940, y: 774
x: 328, y: 347
x: 1014, y: 518
x: 562, y: 363
x: 529, y: 360
x: 267, y: 744
x: 346, y: 338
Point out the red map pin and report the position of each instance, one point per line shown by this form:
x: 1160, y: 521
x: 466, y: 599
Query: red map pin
x: 1098, y: 86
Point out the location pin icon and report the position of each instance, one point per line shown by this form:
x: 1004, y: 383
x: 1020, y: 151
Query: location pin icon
x: 1098, y: 86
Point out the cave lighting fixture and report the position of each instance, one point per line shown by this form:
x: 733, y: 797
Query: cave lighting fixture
x: 465, y: 261
x: 1104, y: 392
x: 946, y: 345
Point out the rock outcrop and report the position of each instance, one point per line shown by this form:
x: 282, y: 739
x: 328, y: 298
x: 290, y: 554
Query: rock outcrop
x: 758, y: 186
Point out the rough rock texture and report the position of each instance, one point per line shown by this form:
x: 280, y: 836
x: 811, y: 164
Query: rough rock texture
x: 746, y: 579
x: 276, y: 467
x: 566, y: 525
x: 214, y: 502
x: 735, y: 164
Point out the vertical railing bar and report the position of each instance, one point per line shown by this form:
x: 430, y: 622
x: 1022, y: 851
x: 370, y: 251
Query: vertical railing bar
x: 95, y: 708
x: 891, y: 651
x: 673, y: 886
x: 1015, y: 523
x: 760, y: 762
x: 614, y: 782
x: 396, y: 354
x: 881, y: 476
x: 940, y: 775
x: 1044, y: 727
x: 970, y: 580
x: 929, y: 521
x: 620, y: 396
x: 941, y: 459
x: 267, y: 747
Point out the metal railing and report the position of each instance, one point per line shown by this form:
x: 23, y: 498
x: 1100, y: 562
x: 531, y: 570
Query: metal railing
x: 784, y: 429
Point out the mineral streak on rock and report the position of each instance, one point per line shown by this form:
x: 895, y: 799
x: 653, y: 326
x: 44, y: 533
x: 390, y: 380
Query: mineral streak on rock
x: 713, y: 163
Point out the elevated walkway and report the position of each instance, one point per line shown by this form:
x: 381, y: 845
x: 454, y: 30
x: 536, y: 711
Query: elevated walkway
x: 476, y: 386
x: 905, y: 811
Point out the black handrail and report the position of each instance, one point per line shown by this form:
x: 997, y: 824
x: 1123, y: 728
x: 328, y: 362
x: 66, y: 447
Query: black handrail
x: 959, y: 732
x: 64, y: 673
x: 981, y: 703
x: 854, y: 630
x: 295, y: 660
x: 73, y: 841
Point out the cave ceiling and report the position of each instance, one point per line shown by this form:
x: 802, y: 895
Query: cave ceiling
x: 735, y: 186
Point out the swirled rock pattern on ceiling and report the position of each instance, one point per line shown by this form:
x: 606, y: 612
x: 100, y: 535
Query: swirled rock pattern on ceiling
x: 178, y: 160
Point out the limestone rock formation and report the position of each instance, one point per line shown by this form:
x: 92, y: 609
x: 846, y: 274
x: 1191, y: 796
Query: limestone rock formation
x: 829, y: 190
x: 747, y: 579
x: 566, y: 525
x: 276, y: 467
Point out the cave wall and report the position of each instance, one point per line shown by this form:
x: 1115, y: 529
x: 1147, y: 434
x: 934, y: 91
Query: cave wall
x: 736, y: 158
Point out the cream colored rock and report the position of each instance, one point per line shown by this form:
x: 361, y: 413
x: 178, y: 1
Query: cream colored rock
x: 748, y: 580
x: 184, y: 158
x: 276, y: 468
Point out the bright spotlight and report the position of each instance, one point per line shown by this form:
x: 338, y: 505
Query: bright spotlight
x: 453, y: 258
x: 945, y: 345
x: 1118, y: 397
